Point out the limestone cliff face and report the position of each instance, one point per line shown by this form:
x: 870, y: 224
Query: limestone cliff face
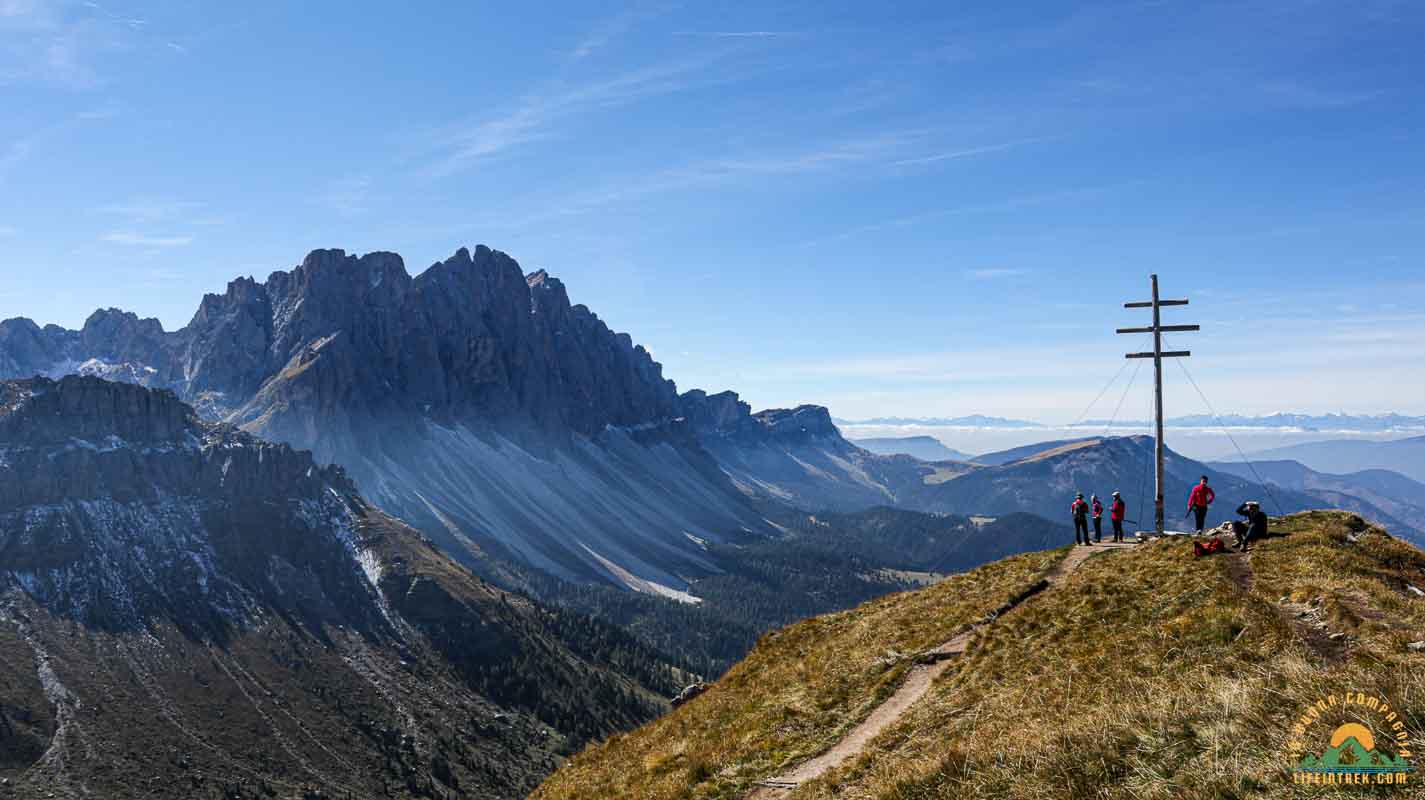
x: 472, y: 399
x: 795, y: 455
x: 470, y: 337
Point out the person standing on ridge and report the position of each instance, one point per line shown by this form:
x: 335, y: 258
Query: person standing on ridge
x: 1080, y: 510
x: 1198, y: 501
x: 1097, y: 520
x: 1115, y: 515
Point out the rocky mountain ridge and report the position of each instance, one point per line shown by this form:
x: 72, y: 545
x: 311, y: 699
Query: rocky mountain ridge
x: 272, y: 632
x: 472, y: 400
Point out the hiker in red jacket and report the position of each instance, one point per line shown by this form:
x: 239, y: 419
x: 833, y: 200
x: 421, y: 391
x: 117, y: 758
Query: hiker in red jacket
x: 1097, y: 520
x: 1080, y: 510
x: 1115, y: 515
x: 1201, y: 497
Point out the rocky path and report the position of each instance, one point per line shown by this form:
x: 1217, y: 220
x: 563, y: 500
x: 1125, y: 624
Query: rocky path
x: 917, y: 683
x: 1305, y: 619
x: 1239, y: 569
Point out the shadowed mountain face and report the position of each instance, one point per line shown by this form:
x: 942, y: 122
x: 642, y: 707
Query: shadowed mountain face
x: 265, y: 628
x: 796, y: 456
x: 1385, y: 497
x: 472, y: 400
x: 1406, y: 456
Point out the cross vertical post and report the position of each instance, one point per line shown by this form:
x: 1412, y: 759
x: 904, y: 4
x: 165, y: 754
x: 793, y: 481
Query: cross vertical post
x: 1158, y: 354
x: 1158, y: 501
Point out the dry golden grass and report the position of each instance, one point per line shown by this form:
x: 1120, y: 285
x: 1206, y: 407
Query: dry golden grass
x: 798, y: 692
x: 1147, y: 674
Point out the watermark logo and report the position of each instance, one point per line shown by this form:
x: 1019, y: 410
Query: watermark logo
x: 1373, y: 750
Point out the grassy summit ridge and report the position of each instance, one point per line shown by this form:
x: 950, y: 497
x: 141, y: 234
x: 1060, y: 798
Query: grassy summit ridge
x: 1145, y: 674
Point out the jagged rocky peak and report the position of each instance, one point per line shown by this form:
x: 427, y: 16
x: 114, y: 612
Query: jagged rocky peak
x: 802, y: 421
x: 486, y: 274
x: 547, y: 295
x: 470, y: 340
x: 114, y: 335
x: 117, y: 504
x: 43, y: 411
x: 723, y: 412
x: 83, y: 438
x: 334, y: 273
x: 26, y: 349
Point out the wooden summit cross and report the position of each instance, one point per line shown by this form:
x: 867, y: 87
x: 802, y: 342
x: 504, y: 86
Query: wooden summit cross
x: 1157, y: 354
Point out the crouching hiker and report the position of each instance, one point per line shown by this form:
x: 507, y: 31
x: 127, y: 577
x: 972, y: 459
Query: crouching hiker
x: 1115, y: 515
x: 1254, y: 528
x: 1080, y: 510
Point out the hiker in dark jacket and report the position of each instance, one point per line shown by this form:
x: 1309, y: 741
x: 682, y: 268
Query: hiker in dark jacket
x: 1080, y: 510
x: 1254, y: 528
x: 1097, y: 519
x: 1116, y: 512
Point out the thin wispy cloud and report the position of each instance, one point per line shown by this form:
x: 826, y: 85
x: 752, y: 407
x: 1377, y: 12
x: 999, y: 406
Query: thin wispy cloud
x: 537, y: 114
x: 607, y: 32
x: 15, y: 153
x: 720, y: 171
x: 1314, y: 97
x: 148, y: 210
x: 20, y: 150
x: 56, y: 43
x: 1015, y: 203
x: 968, y: 152
x: 347, y: 196
x: 737, y: 34
x: 994, y: 273
x: 39, y: 43
x: 134, y: 239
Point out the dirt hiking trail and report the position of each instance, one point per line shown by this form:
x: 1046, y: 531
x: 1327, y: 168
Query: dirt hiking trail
x: 917, y: 682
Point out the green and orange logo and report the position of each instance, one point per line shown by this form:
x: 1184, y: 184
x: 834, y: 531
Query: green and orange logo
x: 1372, y: 750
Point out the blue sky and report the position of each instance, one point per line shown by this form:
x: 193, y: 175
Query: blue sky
x: 926, y: 209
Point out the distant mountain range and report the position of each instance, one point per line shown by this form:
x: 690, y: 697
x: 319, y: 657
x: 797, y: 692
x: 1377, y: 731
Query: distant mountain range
x: 817, y: 468
x: 925, y: 448
x: 1390, y: 498
x: 1406, y: 456
x: 1309, y: 422
x: 1320, y: 422
x: 972, y: 421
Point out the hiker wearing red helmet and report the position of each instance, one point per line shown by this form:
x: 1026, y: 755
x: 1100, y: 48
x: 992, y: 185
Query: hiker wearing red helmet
x: 1115, y: 515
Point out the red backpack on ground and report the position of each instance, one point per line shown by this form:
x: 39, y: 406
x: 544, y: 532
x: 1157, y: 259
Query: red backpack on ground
x: 1213, y: 545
